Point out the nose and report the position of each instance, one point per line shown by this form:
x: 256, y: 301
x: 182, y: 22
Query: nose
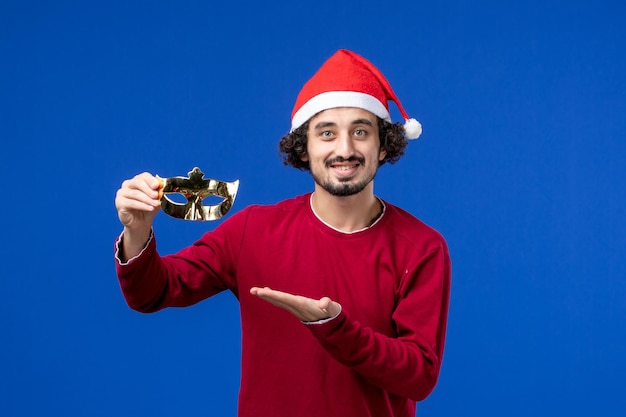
x: 345, y: 145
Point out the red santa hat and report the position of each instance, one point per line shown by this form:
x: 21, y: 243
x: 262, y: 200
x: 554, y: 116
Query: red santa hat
x: 349, y: 80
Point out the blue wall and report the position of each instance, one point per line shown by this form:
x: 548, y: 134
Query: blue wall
x: 521, y: 166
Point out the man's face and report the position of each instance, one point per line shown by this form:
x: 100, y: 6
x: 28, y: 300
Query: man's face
x: 343, y: 150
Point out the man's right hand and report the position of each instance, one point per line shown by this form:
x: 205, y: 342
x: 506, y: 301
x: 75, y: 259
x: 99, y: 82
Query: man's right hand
x: 137, y: 202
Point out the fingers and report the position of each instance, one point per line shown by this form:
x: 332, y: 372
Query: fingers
x: 139, y: 193
x: 137, y: 201
x: 144, y: 183
x: 277, y: 298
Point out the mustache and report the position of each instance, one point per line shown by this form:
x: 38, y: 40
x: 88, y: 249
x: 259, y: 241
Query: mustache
x: 340, y: 159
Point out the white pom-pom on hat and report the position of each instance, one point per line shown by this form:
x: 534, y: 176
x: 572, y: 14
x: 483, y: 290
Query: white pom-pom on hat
x: 412, y: 128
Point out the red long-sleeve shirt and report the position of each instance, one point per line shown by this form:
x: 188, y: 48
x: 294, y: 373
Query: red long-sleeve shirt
x: 377, y: 358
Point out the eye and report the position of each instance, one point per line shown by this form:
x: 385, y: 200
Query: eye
x: 360, y: 132
x: 326, y: 134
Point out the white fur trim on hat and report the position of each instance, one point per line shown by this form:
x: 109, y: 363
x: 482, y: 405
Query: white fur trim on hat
x: 334, y: 99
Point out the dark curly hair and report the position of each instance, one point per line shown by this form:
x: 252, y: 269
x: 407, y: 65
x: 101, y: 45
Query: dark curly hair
x: 292, y: 146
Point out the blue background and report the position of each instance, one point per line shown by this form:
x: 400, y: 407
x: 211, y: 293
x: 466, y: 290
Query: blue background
x: 521, y: 166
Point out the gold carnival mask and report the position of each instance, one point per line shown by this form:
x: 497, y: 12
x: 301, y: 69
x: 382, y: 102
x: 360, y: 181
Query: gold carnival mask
x: 195, y: 189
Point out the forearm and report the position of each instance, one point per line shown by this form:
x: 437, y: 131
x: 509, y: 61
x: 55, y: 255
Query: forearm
x: 133, y: 241
x: 404, y: 366
x: 404, y: 359
x: 142, y: 277
x: 150, y: 282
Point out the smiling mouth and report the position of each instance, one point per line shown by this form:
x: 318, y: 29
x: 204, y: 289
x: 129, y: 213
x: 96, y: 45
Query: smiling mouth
x: 344, y: 167
x: 343, y: 164
x: 345, y: 171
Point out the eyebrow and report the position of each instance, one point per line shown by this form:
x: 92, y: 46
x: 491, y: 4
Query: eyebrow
x: 323, y: 124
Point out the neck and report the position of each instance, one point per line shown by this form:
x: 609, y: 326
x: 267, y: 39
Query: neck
x: 347, y: 214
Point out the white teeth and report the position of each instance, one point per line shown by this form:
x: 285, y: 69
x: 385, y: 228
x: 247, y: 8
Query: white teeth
x: 344, y: 167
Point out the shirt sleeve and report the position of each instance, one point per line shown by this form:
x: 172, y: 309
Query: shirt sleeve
x: 407, y: 365
x: 118, y: 247
x: 151, y: 282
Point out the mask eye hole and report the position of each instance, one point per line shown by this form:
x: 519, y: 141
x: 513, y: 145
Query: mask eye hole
x: 177, y: 198
x: 209, y: 200
x: 212, y: 200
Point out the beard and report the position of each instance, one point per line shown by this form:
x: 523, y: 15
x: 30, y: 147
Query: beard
x: 344, y: 187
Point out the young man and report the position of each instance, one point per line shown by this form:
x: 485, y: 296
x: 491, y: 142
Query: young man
x: 343, y: 296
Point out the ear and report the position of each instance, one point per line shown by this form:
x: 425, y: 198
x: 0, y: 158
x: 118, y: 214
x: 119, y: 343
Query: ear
x: 305, y: 157
x: 381, y: 154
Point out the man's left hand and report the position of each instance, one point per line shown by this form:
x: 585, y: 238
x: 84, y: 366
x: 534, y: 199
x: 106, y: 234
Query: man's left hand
x: 304, y: 308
